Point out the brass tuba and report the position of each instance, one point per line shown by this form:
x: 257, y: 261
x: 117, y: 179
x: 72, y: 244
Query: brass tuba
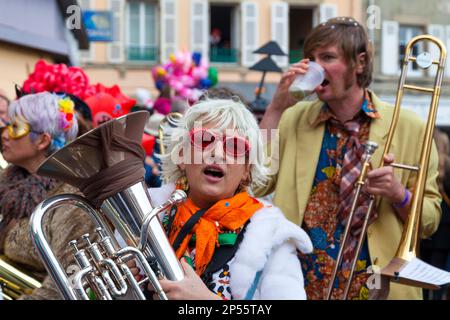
x: 407, y: 251
x: 128, y: 209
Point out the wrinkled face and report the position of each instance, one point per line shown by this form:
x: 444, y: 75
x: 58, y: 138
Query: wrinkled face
x: 340, y: 78
x: 17, y: 146
x: 217, y: 165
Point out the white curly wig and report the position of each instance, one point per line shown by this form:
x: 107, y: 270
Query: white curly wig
x: 223, y: 114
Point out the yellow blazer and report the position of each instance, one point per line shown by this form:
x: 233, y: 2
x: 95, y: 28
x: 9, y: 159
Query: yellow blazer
x: 299, y: 148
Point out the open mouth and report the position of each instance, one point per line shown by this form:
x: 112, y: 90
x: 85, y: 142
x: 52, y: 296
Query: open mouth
x: 325, y: 83
x: 214, y: 172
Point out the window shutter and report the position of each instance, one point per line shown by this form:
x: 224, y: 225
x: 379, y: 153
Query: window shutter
x: 327, y: 11
x: 132, y: 25
x: 150, y: 26
x: 250, y: 35
x: 437, y: 31
x: 390, y: 48
x: 89, y: 54
x: 279, y: 29
x: 116, y: 52
x: 168, y: 28
x: 200, y: 27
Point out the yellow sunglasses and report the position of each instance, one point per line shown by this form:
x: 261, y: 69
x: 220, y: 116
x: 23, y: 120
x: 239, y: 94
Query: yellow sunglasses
x: 18, y: 129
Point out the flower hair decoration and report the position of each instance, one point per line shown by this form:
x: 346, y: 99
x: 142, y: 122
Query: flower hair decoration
x: 66, y: 113
x: 58, y: 142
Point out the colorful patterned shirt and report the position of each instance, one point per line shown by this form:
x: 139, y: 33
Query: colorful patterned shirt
x: 321, y: 220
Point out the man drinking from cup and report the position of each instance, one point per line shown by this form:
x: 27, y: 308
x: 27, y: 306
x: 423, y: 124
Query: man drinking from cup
x: 320, y: 149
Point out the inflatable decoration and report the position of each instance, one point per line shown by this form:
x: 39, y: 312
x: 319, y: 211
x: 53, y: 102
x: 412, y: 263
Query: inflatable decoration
x: 105, y: 103
x: 187, y: 74
x: 73, y: 80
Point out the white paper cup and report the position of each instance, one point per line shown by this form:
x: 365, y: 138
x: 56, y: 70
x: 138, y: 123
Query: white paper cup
x: 305, y: 84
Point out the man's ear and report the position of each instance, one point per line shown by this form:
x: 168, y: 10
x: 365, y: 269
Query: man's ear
x: 361, y: 62
x: 43, y: 141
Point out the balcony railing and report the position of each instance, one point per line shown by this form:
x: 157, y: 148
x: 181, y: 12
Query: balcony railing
x: 295, y: 55
x: 142, y: 53
x: 225, y: 55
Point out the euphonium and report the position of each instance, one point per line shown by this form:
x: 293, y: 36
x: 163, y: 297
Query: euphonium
x: 15, y: 282
x: 128, y: 209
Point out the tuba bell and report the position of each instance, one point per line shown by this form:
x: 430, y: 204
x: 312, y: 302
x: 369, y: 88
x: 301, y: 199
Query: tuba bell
x: 106, y: 164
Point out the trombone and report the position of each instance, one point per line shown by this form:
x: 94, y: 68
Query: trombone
x: 408, y: 244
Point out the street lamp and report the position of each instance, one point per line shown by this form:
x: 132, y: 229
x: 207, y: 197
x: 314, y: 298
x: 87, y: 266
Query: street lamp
x: 265, y: 65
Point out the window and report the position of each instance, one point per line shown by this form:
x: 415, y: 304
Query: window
x: 223, y: 34
x: 300, y: 24
x: 406, y: 33
x: 142, y: 43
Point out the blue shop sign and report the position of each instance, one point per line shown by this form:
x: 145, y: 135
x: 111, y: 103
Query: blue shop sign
x: 99, y: 25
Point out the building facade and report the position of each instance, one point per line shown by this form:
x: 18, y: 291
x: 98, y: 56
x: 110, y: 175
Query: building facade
x: 33, y: 30
x: 397, y: 22
x: 146, y: 32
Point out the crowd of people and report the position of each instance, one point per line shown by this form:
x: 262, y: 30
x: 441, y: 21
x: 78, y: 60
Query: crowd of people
x: 245, y: 232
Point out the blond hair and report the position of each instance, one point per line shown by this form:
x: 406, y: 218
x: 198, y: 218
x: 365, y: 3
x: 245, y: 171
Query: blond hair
x: 225, y: 114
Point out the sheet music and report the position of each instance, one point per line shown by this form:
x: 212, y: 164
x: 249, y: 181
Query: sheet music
x: 418, y: 270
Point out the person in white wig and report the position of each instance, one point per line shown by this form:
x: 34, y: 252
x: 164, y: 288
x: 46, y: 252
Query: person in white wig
x: 231, y: 245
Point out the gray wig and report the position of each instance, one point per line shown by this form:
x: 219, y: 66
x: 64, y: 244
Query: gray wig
x: 41, y: 112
